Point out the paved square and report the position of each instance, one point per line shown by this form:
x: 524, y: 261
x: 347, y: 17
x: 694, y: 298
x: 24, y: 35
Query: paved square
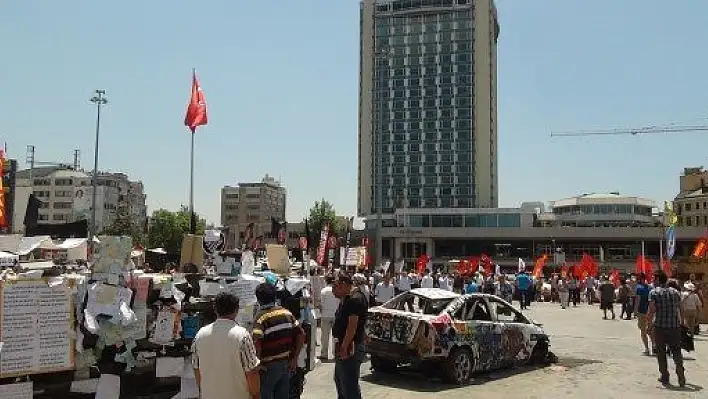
x: 598, y: 359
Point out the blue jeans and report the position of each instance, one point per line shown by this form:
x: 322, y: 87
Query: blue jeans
x: 275, y: 380
x: 346, y: 374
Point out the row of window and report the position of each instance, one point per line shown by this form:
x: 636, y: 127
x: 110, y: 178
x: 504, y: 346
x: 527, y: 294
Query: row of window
x: 391, y: 204
x: 403, y: 5
x: 490, y: 220
x: 447, y: 137
x: 446, y: 157
x: 603, y: 209
x: 425, y: 58
x: 397, y: 41
x: 410, y: 105
x: 688, y: 206
x: 402, y: 21
x: 430, y: 63
x: 414, y: 169
x: 430, y: 179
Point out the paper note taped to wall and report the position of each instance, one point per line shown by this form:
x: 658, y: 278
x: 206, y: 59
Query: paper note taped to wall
x: 16, y: 391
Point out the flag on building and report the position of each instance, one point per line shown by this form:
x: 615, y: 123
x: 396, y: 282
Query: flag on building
x: 522, y: 265
x: 196, y: 109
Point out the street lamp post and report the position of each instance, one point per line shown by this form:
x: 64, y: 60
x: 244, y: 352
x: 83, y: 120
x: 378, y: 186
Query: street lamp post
x: 379, y: 54
x: 99, y: 99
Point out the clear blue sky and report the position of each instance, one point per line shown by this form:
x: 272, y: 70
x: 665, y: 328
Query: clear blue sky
x: 281, y: 85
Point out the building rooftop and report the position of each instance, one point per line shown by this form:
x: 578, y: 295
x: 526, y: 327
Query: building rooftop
x: 603, y: 198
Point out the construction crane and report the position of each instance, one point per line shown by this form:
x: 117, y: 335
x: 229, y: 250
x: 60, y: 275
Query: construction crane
x: 672, y: 128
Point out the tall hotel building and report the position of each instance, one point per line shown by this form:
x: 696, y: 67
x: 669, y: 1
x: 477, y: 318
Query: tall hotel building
x: 428, y: 98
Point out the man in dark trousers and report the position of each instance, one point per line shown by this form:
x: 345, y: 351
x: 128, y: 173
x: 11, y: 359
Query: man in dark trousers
x: 664, y: 318
x: 348, y: 333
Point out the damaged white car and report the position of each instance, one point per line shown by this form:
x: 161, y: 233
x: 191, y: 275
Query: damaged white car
x: 452, y: 335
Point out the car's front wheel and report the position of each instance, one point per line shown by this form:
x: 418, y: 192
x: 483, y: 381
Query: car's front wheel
x: 381, y: 365
x: 459, y: 366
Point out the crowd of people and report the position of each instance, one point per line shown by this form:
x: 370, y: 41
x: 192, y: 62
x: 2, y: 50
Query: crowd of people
x: 230, y: 362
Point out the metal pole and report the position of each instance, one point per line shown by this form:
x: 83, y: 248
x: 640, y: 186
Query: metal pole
x: 99, y: 99
x: 192, y: 222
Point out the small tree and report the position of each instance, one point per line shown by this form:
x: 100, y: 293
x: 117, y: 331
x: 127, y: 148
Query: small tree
x: 124, y: 225
x: 322, y: 213
x: 167, y: 229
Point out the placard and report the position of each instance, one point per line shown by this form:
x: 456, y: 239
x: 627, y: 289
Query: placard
x: 278, y: 261
x: 35, y: 327
x: 21, y: 390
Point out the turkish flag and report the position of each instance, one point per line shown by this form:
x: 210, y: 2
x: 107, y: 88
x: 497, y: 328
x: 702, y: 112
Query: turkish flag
x: 197, y: 109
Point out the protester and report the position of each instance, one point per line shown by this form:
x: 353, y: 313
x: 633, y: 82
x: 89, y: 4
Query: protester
x: 574, y: 290
x: 623, y: 299
x: 664, y: 317
x: 384, y: 292
x: 471, y: 286
x: 504, y: 290
x: 444, y: 283
x: 691, y: 305
x: 279, y: 340
x: 632, y: 295
x: 404, y: 285
x: 563, y: 292
x: 523, y: 282
x: 607, y: 297
x: 590, y: 286
x: 641, y: 307
x: 458, y: 283
x: 330, y: 303
x: 224, y: 357
x: 349, y: 336
x: 426, y: 281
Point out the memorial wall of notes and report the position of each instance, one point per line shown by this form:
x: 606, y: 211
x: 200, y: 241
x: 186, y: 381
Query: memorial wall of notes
x: 35, y: 328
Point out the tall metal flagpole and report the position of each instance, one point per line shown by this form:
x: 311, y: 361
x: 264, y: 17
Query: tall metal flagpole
x: 99, y: 99
x: 192, y: 221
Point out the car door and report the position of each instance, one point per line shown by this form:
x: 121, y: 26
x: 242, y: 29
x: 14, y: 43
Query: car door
x: 479, y: 333
x: 515, y: 332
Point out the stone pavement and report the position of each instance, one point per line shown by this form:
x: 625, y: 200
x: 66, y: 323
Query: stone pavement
x: 597, y: 359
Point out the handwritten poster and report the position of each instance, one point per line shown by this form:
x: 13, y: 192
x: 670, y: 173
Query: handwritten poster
x: 165, y: 328
x: 35, y: 328
x: 16, y: 391
x: 278, y: 261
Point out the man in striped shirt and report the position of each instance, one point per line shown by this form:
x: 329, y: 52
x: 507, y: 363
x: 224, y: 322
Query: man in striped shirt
x: 278, y: 338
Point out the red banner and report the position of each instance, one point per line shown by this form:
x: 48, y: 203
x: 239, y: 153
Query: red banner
x: 322, y: 248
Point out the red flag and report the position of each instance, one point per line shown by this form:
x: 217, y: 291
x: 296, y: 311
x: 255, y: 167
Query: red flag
x: 645, y: 266
x: 487, y: 264
x: 615, y: 277
x: 197, y: 109
x: 699, y: 250
x: 564, y: 271
x: 538, y: 267
x: 422, y: 263
x: 589, y: 266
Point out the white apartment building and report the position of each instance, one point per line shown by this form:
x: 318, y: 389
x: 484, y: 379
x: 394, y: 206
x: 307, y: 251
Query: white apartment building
x: 66, y: 196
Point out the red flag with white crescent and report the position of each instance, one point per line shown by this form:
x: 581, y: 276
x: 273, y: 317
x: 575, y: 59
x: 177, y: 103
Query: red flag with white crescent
x: 197, y: 109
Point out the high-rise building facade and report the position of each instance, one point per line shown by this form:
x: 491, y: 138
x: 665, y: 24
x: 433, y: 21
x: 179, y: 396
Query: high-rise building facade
x: 427, y: 98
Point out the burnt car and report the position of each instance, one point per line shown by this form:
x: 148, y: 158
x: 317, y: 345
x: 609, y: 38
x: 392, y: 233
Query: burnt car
x: 452, y: 335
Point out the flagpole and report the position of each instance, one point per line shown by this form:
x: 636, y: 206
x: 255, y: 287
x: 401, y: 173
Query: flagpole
x: 192, y: 221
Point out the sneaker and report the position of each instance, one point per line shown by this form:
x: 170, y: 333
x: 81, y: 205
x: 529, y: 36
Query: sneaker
x: 646, y: 353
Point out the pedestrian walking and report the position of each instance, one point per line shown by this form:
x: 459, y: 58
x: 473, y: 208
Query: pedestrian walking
x: 523, y: 282
x: 607, y: 297
x: 224, y: 357
x: 665, y: 318
x: 279, y: 340
x: 349, y: 337
x: 563, y: 292
x: 641, y: 307
x: 574, y: 289
x: 691, y: 305
x: 330, y: 303
x: 623, y: 299
x: 504, y: 290
x: 632, y: 296
x: 384, y: 291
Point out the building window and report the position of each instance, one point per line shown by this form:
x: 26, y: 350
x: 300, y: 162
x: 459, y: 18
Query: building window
x: 688, y: 220
x: 687, y: 207
x: 63, y: 182
x: 60, y: 217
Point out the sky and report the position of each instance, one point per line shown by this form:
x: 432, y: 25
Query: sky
x: 281, y: 84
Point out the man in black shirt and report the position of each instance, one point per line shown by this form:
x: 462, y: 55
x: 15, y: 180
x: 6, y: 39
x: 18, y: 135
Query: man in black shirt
x: 348, y: 333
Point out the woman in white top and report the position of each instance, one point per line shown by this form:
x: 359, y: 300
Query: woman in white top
x: 691, y: 305
x: 329, y: 308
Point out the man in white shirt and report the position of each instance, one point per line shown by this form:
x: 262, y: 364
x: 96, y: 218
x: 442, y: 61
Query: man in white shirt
x: 404, y: 285
x: 224, y: 356
x: 444, y: 283
x: 384, y: 292
x: 426, y: 281
x: 330, y: 303
x: 691, y: 305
